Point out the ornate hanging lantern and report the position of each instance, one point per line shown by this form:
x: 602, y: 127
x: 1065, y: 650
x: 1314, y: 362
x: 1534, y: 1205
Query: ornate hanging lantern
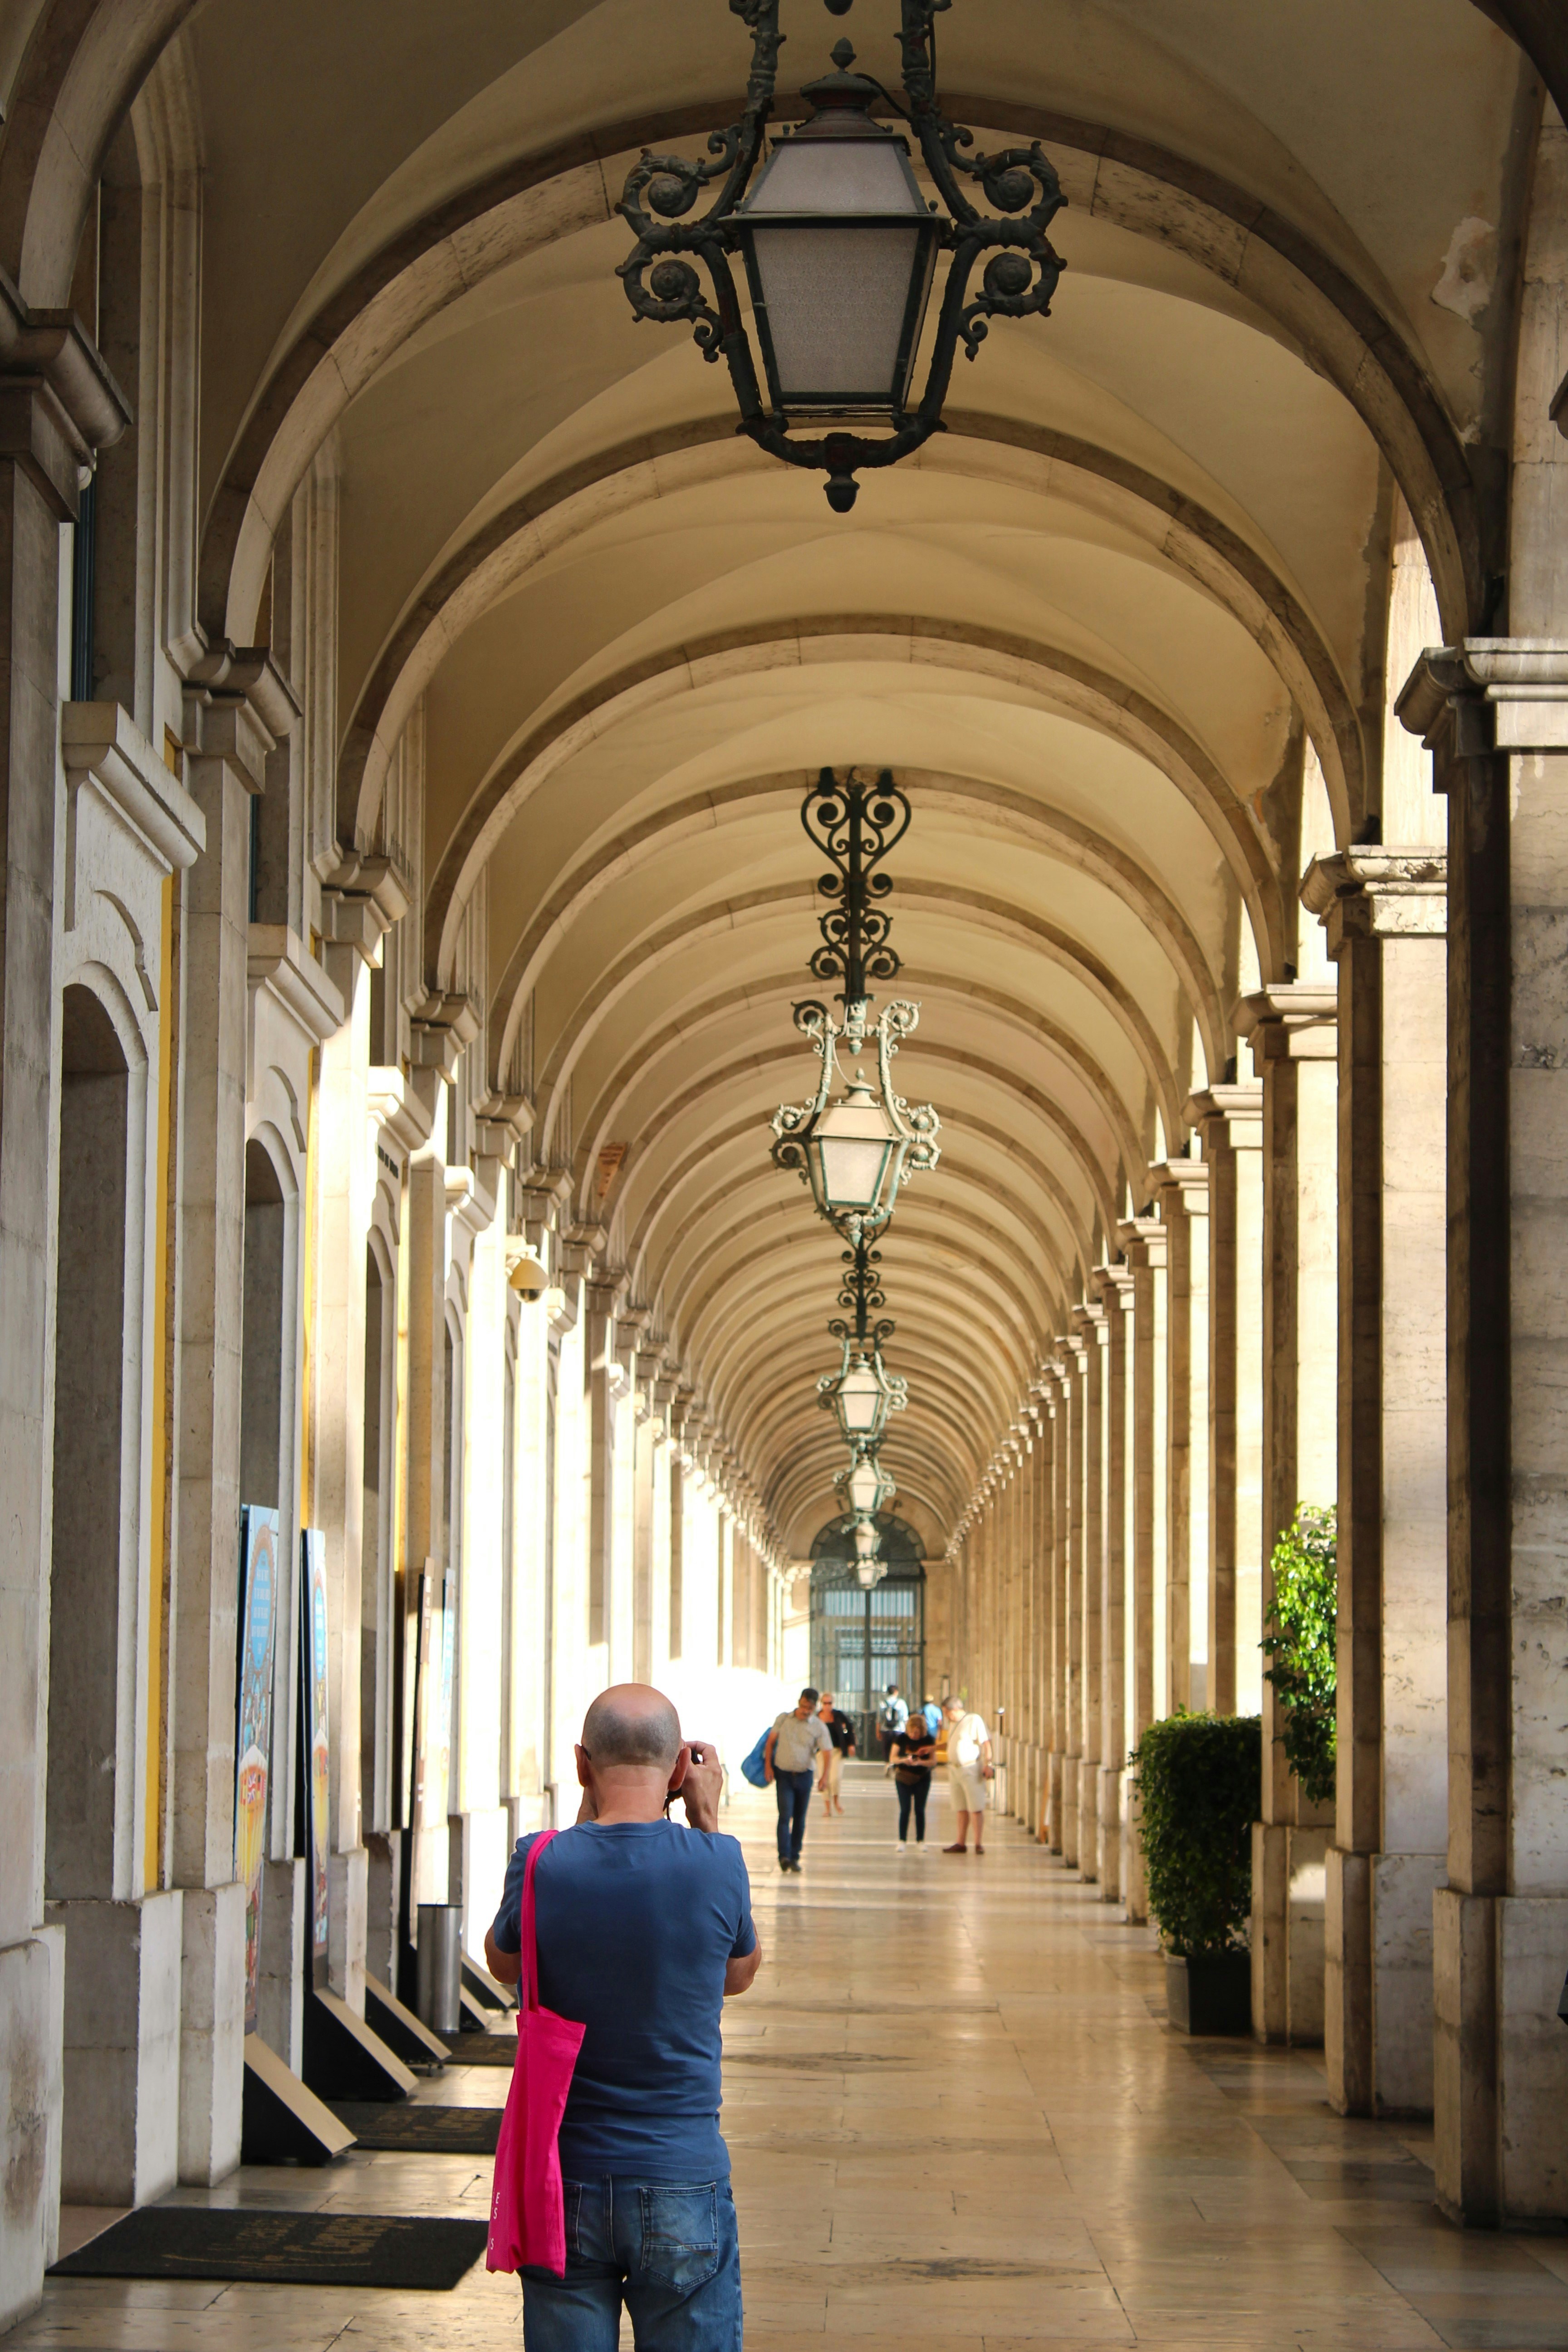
x: 840, y: 250
x: 856, y: 1151
x: 862, y: 1392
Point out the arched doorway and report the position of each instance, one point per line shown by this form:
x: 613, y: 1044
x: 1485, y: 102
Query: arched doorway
x: 860, y: 1640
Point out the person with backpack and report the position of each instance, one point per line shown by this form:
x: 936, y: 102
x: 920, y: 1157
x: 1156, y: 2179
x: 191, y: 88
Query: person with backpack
x: 799, y: 1736
x: 891, y: 1718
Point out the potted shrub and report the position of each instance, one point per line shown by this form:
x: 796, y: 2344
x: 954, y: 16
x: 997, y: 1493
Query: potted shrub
x: 1198, y: 1779
x: 1301, y: 1643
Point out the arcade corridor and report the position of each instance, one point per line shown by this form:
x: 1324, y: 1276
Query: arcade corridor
x: 957, y: 2118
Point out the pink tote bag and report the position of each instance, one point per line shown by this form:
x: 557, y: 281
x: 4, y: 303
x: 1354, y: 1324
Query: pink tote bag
x: 527, y: 2219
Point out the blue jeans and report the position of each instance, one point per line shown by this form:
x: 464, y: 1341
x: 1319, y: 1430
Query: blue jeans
x: 671, y: 2254
x: 792, y: 1791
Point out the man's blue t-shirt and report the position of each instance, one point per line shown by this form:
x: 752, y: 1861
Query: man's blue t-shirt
x: 635, y: 1921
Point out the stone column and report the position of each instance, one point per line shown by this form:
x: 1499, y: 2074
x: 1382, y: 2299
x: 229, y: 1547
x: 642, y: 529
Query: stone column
x: 56, y: 406
x: 1089, y: 1323
x: 1291, y: 1031
x: 605, y: 1377
x: 1230, y: 1120
x: 1071, y: 1680
x: 425, y: 1419
x: 1061, y: 1446
x: 235, y: 713
x: 1144, y: 1240
x: 1113, y: 1287
x: 1495, y: 714
x: 1384, y: 912
x: 1181, y: 1188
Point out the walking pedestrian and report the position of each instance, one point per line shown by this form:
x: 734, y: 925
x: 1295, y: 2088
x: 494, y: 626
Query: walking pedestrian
x: 643, y: 1930
x: 933, y: 1714
x: 830, y: 1772
x: 913, y: 1754
x: 796, y: 1739
x: 969, y: 1771
x: 891, y: 1718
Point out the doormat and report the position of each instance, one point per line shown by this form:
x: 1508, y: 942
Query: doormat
x: 482, y: 2049
x: 217, y: 2241
x: 423, y: 2130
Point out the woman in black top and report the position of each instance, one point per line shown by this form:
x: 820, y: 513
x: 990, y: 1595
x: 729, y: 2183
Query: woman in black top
x: 909, y: 1761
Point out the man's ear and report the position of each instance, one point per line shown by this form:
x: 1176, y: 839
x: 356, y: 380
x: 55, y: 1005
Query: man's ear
x: 585, y: 1770
x: 677, y: 1769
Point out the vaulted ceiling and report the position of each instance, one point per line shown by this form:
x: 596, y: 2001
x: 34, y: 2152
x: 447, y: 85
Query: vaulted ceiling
x: 1101, y: 629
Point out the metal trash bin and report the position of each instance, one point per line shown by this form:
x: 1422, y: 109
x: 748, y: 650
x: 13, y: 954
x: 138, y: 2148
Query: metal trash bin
x: 438, y: 1984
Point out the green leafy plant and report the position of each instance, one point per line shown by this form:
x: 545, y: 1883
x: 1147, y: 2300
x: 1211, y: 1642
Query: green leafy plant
x: 1301, y: 1645
x: 1199, y: 1784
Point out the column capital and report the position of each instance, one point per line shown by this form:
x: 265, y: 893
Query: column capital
x: 1113, y: 1286
x: 1237, y: 1110
x: 1088, y: 1318
x: 1182, y: 1188
x: 59, y: 403
x: 1487, y: 694
x: 441, y: 1030
x: 1291, y: 1021
x: 1142, y: 1239
x: 362, y: 899
x: 1370, y: 892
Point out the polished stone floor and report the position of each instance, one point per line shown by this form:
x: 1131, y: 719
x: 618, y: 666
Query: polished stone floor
x: 956, y: 2120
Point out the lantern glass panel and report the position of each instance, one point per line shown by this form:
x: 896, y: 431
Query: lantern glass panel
x: 866, y: 1542
x: 840, y: 249
x: 865, y: 1485
x: 853, y: 1146
x: 860, y: 1405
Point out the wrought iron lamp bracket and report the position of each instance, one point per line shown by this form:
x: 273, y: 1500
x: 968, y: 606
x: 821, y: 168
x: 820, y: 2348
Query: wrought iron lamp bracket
x: 1018, y: 281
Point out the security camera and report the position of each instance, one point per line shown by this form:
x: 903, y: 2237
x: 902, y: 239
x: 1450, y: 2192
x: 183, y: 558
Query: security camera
x: 530, y: 1276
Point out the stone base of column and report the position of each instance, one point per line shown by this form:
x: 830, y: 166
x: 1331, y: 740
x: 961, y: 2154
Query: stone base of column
x: 348, y: 1882
x: 1056, y: 1766
x: 32, y: 2003
x: 1108, y: 1854
x: 120, y: 2141
x: 1500, y: 2076
x: 1071, y: 1769
x: 1288, y: 1868
x: 1377, y: 2025
x: 281, y: 1997
x: 212, y: 2031
x: 384, y: 1881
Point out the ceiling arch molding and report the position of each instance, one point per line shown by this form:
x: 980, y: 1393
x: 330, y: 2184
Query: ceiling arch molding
x: 786, y: 1054
x: 1062, y: 682
x: 1043, y: 937
x: 1135, y: 183
x: 1019, y: 814
x: 1197, y: 545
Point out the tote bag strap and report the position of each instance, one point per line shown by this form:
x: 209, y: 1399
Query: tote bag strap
x: 527, y: 1937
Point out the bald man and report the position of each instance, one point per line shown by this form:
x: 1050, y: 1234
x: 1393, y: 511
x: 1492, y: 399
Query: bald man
x: 644, y: 1929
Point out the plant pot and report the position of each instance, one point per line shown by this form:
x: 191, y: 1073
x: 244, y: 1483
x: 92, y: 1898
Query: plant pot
x: 1210, y: 1994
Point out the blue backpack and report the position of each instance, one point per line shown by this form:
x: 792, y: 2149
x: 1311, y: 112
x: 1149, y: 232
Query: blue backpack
x: 752, y: 1769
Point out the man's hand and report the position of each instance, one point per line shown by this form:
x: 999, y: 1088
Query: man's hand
x: 701, y: 1786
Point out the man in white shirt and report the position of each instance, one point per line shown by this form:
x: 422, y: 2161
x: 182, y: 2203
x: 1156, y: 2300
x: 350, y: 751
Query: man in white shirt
x: 968, y: 1769
x: 796, y: 1739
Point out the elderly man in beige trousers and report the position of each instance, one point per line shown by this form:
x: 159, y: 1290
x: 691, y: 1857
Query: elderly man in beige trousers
x: 969, y: 1771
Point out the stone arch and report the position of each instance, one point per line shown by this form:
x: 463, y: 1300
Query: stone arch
x: 1130, y: 181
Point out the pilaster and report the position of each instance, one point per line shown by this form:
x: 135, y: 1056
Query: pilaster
x: 1182, y: 1188
x: 1494, y: 712
x: 1230, y: 1121
x: 1291, y: 1030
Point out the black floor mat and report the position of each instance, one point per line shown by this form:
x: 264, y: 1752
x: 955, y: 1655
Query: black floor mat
x: 218, y: 2241
x: 422, y: 2130
x: 481, y: 2048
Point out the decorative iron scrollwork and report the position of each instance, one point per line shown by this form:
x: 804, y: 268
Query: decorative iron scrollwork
x: 1017, y: 281
x: 856, y: 825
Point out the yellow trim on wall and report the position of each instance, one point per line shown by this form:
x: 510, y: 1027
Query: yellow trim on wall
x: 307, y: 1286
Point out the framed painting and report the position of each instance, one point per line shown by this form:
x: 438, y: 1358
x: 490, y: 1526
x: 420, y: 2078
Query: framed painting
x: 253, y: 1728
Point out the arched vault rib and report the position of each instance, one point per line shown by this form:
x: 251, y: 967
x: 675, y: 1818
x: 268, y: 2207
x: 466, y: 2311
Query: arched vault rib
x: 1044, y: 939
x: 1013, y: 811
x: 700, y: 1318
x: 1061, y: 681
x: 1185, y: 534
x: 1001, y: 1139
x: 717, y: 1082
x: 1143, y: 187
x: 721, y: 1334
